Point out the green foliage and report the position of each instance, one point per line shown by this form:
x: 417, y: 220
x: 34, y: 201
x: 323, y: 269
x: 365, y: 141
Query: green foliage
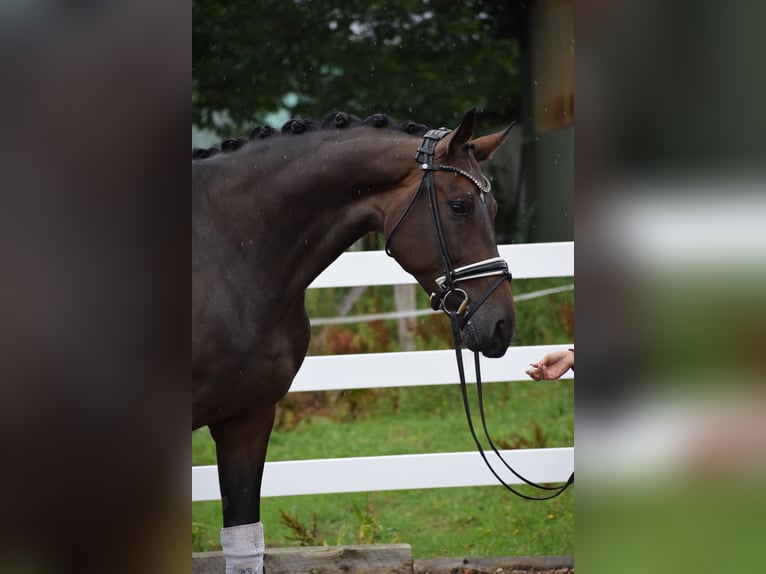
x: 542, y: 321
x: 470, y: 521
x: 482, y: 521
x: 369, y: 529
x: 547, y: 320
x: 304, y: 536
x: 427, y: 61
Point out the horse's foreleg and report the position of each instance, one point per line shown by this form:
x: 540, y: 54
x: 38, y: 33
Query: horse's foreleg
x: 241, y: 450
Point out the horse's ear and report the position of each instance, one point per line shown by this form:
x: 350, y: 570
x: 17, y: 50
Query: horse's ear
x: 485, y: 146
x: 461, y: 135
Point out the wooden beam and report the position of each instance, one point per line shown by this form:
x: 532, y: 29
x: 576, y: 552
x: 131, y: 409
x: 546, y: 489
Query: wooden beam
x: 359, y: 559
x: 383, y: 559
x: 511, y: 565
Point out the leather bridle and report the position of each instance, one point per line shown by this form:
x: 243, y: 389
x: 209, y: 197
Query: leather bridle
x: 446, y: 285
x: 460, y: 309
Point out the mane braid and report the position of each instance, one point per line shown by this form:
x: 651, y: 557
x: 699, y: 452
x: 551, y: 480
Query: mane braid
x: 332, y: 121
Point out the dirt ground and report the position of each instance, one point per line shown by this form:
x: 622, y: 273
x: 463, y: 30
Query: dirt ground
x: 515, y: 565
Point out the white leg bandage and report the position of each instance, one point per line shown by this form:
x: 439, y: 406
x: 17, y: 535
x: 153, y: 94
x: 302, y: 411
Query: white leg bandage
x: 243, y: 548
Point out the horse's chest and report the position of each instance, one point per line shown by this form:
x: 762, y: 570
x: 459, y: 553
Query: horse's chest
x: 232, y: 371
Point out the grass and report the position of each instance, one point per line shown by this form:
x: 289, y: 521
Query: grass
x: 475, y: 521
x: 668, y: 524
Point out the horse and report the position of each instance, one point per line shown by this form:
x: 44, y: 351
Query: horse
x: 269, y: 213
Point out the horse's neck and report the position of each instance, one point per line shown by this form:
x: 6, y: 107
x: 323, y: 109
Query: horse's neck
x: 311, y: 207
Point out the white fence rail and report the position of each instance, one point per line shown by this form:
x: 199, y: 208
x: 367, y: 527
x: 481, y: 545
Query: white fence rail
x: 378, y: 370
x: 527, y: 261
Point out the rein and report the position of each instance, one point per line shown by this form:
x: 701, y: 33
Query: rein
x: 461, y: 311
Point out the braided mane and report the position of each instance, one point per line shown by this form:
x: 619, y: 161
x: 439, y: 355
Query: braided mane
x: 333, y: 121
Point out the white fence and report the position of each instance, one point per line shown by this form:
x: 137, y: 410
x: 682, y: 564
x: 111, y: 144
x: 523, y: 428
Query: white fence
x: 376, y: 370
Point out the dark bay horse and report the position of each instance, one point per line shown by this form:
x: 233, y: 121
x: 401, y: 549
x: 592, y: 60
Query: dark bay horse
x: 270, y: 213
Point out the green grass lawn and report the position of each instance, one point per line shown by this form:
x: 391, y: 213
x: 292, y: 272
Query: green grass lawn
x: 469, y: 521
x: 476, y: 521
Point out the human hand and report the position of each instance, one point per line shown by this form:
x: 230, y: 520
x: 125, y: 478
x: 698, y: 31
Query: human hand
x: 552, y: 366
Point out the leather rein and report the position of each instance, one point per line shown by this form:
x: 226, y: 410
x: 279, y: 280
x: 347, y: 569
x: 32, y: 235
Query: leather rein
x: 460, y: 309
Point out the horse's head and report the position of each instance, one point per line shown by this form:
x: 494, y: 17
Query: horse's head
x: 442, y: 232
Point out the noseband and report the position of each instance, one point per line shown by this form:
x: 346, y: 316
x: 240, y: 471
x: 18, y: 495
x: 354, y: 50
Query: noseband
x: 461, y: 307
x: 461, y: 310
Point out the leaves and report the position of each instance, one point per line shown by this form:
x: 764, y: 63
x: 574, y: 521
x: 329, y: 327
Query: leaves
x: 429, y: 61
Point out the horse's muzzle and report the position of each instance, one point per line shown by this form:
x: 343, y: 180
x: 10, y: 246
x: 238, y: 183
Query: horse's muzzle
x: 491, y: 340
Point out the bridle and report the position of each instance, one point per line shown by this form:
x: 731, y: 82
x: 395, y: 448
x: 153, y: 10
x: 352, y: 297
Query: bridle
x: 461, y: 310
x: 447, y: 283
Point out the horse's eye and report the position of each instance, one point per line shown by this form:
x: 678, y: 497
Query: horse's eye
x: 459, y: 208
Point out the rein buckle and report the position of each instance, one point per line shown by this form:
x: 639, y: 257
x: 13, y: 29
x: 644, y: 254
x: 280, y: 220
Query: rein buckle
x: 439, y: 300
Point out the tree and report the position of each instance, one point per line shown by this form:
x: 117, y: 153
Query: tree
x: 426, y: 60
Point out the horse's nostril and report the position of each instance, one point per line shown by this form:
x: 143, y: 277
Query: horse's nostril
x: 497, y: 344
x: 500, y: 330
x: 503, y: 333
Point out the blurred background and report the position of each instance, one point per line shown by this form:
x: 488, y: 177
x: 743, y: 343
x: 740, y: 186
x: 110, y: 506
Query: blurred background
x: 671, y: 255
